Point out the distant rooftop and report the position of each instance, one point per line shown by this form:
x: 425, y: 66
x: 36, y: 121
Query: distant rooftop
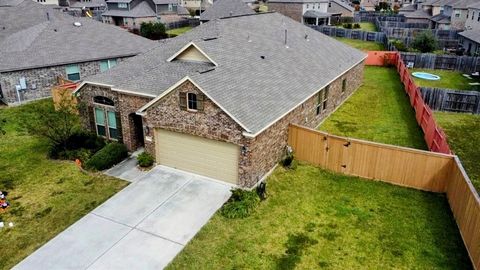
x: 226, y: 8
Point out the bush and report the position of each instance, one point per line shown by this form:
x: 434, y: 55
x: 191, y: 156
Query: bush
x: 347, y: 25
x: 241, y: 204
x: 425, y: 42
x: 108, y: 156
x: 153, y: 30
x: 399, y: 45
x: 79, y: 145
x: 145, y: 160
x: 356, y: 26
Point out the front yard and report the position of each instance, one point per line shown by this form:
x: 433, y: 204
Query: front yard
x: 463, y: 132
x: 448, y: 79
x: 362, y: 45
x: 365, y: 26
x: 379, y: 111
x: 313, y: 219
x: 46, y: 196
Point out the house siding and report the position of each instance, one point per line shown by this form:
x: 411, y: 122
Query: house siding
x: 292, y: 10
x: 42, y: 78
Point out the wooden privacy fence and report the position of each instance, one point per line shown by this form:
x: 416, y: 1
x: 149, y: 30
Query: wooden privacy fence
x: 351, y: 33
x: 450, y: 100
x: 400, y: 166
x: 465, y: 64
x: 62, y: 93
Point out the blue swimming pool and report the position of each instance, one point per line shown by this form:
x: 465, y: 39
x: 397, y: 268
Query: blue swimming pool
x: 426, y: 76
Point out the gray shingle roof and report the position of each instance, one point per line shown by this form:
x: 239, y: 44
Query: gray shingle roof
x: 226, y: 8
x: 419, y: 14
x: 165, y: 2
x: 254, y: 90
x: 57, y: 41
x: 89, y: 4
x: 476, y: 5
x: 441, y: 18
x: 316, y: 14
x: 473, y: 35
x: 298, y: 1
x: 143, y: 9
x: 344, y: 5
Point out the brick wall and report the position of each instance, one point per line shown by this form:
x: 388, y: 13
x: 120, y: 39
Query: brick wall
x: 42, y: 78
x: 292, y: 10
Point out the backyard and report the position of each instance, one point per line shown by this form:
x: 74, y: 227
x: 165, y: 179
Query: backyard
x: 316, y: 219
x: 448, y: 79
x: 463, y: 132
x: 379, y: 111
x: 179, y: 31
x: 46, y: 196
x: 362, y: 45
x: 365, y: 26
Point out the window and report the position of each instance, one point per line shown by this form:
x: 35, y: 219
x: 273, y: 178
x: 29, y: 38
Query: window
x: 73, y: 72
x: 107, y: 64
x: 322, y: 100
x: 325, y: 98
x: 170, y: 7
x: 478, y: 19
x: 103, y: 100
x: 1, y: 93
x: 344, y: 85
x: 112, y: 125
x: 192, y: 101
x: 100, y: 122
x: 473, y: 15
x: 122, y: 5
x: 457, y: 14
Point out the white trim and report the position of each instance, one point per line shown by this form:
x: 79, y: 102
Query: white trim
x: 188, y: 46
x: 132, y: 93
x: 142, y: 112
x: 289, y: 111
x: 87, y: 82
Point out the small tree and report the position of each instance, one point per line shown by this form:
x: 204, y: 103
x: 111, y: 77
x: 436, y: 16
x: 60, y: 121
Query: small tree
x: 425, y: 42
x: 54, y: 123
x: 153, y: 30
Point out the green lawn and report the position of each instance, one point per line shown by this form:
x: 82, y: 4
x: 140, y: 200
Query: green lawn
x: 46, y: 196
x: 362, y: 45
x: 448, y: 79
x: 365, y: 26
x: 463, y: 132
x: 379, y: 111
x: 313, y: 219
x: 179, y: 31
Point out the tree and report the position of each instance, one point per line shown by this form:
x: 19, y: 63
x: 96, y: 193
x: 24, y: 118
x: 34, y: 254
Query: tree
x: 153, y: 30
x: 54, y: 123
x: 425, y: 42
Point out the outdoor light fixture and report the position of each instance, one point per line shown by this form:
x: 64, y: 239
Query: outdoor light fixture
x: 244, y: 150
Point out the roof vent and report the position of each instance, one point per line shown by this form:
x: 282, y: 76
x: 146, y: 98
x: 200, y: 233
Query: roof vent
x: 262, y: 56
x: 77, y: 24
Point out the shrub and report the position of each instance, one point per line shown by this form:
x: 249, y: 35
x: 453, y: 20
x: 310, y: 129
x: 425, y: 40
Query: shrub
x: 356, y: 26
x: 425, y: 42
x: 108, y: 156
x: 241, y: 204
x: 145, y: 160
x: 399, y: 45
x: 153, y: 30
x: 347, y: 25
x: 79, y: 145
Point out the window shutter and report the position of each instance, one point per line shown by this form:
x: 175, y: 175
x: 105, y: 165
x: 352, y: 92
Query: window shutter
x: 91, y: 117
x: 119, y: 126
x: 183, y: 101
x: 200, y: 99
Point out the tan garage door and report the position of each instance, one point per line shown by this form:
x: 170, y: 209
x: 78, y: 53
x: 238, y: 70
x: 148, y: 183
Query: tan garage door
x: 218, y: 160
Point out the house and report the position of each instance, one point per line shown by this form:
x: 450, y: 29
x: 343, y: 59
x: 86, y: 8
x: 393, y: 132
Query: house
x: 417, y: 16
x: 38, y: 45
x: 310, y: 12
x: 226, y: 8
x: 196, y: 6
x: 218, y: 99
x: 368, y: 5
x: 342, y: 7
x: 470, y: 41
x: 94, y: 5
x: 448, y: 14
x: 131, y: 13
x: 47, y: 2
x: 473, y: 17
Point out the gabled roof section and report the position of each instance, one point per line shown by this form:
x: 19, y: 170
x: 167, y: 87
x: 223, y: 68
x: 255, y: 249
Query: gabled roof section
x: 193, y: 53
x: 226, y: 8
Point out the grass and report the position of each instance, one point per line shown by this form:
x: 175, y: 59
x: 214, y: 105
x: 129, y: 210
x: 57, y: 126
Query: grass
x: 463, y: 132
x: 46, y: 196
x: 362, y: 45
x: 313, y: 219
x: 179, y: 31
x: 379, y: 111
x: 448, y: 79
x: 365, y: 26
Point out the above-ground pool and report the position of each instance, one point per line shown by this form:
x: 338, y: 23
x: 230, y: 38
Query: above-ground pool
x: 426, y: 76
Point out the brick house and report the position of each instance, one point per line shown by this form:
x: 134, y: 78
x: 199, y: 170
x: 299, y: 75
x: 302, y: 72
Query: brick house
x: 39, y: 44
x: 218, y: 100
x: 226, y: 8
x: 310, y: 12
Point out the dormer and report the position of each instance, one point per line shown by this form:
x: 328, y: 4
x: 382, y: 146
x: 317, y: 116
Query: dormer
x: 192, y: 53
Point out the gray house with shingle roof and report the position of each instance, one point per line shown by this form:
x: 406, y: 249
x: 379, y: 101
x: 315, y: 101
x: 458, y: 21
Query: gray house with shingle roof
x: 38, y: 45
x: 218, y: 100
x: 225, y: 8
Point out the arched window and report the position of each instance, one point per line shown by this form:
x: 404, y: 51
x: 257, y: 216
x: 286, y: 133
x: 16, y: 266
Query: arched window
x: 192, y: 101
x: 103, y: 100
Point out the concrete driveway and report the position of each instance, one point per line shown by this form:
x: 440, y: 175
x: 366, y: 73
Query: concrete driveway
x: 144, y: 226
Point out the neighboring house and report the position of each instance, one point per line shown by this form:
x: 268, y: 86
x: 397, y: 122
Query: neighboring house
x: 440, y: 21
x: 218, y: 99
x: 47, y: 2
x: 448, y: 14
x: 310, y: 12
x: 224, y: 9
x: 470, y: 41
x: 417, y: 16
x: 38, y: 45
x: 95, y: 5
x: 196, y: 6
x: 131, y: 13
x: 368, y: 5
x: 473, y: 17
x: 340, y: 6
x: 459, y: 12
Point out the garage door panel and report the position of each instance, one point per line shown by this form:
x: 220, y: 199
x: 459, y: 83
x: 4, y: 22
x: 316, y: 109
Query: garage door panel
x: 195, y: 154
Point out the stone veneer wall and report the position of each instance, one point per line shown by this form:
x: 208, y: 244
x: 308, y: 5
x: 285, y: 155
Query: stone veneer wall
x: 125, y: 106
x: 292, y: 10
x: 268, y: 148
x: 43, y: 78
